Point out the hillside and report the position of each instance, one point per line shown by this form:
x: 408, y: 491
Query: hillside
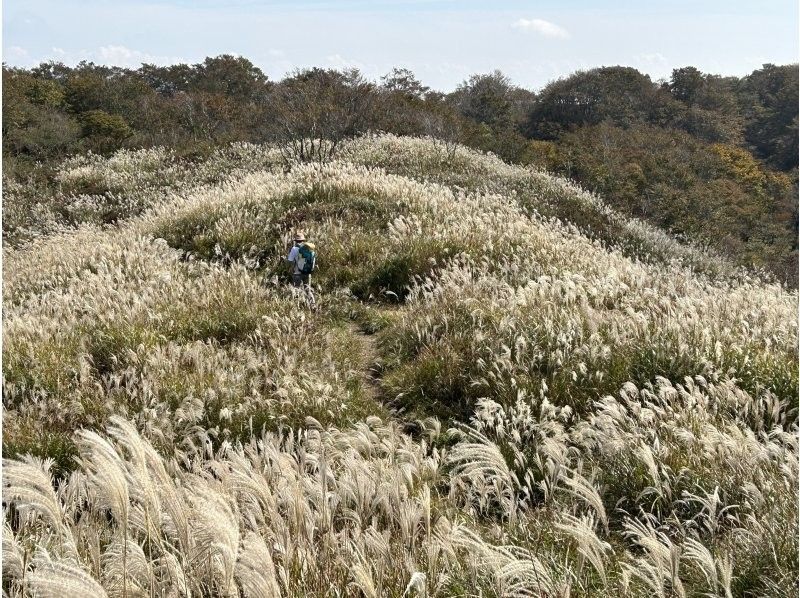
x: 508, y: 388
x: 708, y: 158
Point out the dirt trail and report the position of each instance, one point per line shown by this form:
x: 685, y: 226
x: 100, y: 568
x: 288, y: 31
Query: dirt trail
x: 370, y: 372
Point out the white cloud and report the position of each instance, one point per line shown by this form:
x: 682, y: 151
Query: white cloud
x: 115, y: 55
x: 126, y: 57
x: 68, y: 57
x: 542, y: 27
x: 654, y: 64
x: 337, y: 61
x: 276, y: 64
x: 16, y: 55
x: 654, y: 59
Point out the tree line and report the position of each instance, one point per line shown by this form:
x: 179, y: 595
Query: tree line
x: 711, y: 158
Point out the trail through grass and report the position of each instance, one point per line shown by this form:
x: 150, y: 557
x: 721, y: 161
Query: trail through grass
x: 507, y: 389
x: 366, y: 345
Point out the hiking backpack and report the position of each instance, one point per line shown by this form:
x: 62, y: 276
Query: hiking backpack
x: 307, y: 259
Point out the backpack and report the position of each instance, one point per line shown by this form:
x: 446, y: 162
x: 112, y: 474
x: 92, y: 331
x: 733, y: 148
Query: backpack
x: 307, y: 260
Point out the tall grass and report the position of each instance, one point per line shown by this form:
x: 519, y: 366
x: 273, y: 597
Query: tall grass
x: 568, y: 403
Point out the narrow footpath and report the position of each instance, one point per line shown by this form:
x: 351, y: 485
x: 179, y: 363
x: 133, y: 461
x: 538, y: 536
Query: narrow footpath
x: 370, y: 372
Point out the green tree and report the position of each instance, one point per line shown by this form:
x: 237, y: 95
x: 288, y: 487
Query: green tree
x: 232, y: 76
x: 712, y: 111
x: 769, y: 98
x: 34, y: 123
x: 486, y: 99
x: 715, y: 194
x: 167, y: 80
x: 403, y: 82
x: 619, y: 94
x: 104, y: 131
x: 46, y: 93
x: 85, y: 90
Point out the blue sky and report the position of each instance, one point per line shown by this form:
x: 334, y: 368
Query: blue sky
x: 442, y: 41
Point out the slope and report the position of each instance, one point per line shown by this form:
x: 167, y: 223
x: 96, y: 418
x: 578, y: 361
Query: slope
x: 624, y: 406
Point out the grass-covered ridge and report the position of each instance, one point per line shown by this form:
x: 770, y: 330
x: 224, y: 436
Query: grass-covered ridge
x: 624, y: 407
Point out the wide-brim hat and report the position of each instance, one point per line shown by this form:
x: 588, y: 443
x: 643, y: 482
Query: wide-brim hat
x: 299, y: 237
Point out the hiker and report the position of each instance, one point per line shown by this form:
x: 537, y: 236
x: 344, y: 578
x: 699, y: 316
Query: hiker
x: 304, y: 258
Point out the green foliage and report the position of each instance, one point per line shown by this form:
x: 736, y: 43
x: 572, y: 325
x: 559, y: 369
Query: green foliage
x: 46, y: 93
x: 34, y: 122
x: 85, y: 90
x: 718, y: 195
x: 712, y: 105
x: 485, y: 99
x: 769, y: 101
x: 45, y: 133
x: 232, y: 76
x: 102, y: 126
x: 619, y: 94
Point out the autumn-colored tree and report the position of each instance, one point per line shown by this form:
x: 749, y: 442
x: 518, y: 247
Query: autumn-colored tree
x: 315, y: 109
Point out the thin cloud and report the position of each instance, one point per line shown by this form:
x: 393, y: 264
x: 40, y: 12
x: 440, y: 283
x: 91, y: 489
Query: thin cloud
x: 654, y: 58
x: 653, y: 63
x: 340, y: 62
x: 542, y: 27
x: 126, y: 57
x: 17, y: 55
x: 111, y: 55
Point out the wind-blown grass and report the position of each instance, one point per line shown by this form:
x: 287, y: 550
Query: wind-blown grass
x: 568, y: 402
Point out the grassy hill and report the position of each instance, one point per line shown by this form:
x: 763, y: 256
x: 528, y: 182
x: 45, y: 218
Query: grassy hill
x: 508, y: 388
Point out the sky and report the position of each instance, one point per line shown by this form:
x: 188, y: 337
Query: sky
x: 442, y: 41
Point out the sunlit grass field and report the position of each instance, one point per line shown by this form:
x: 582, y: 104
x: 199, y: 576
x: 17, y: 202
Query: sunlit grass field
x: 554, y: 400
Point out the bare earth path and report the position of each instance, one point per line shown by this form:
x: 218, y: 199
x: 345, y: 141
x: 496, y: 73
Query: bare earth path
x: 370, y: 371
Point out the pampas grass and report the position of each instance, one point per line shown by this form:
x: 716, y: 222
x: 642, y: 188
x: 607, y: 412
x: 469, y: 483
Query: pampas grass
x: 622, y: 407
